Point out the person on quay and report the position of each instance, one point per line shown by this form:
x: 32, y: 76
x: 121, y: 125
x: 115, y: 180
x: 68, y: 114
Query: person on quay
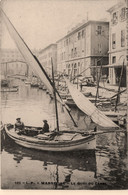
x: 45, y: 128
x: 19, y: 125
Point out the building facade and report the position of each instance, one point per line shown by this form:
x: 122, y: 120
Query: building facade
x: 83, y: 47
x: 117, y: 43
x: 45, y: 56
x: 12, y: 63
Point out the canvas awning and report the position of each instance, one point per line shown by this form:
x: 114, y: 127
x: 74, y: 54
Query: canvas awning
x: 109, y: 66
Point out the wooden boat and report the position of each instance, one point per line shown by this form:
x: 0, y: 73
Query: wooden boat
x: 72, y: 159
x: 64, y: 95
x: 117, y: 117
x: 34, y: 84
x: 13, y: 89
x: 88, y: 108
x: 40, y: 86
x: 27, y: 82
x: 52, y: 141
x: 91, y: 99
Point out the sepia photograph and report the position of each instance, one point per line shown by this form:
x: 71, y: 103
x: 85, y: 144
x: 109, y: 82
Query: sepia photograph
x: 63, y: 91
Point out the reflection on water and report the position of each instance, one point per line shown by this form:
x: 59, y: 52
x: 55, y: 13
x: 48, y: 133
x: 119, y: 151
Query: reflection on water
x: 105, y: 168
x: 39, y: 167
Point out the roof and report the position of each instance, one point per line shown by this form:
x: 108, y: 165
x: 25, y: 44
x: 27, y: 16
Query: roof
x: 53, y: 44
x: 82, y: 26
x: 115, y: 7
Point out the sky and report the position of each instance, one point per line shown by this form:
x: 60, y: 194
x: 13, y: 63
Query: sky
x: 42, y: 22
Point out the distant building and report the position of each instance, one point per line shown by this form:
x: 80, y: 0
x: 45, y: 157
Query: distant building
x: 45, y: 56
x: 117, y: 42
x: 12, y: 63
x: 83, y: 47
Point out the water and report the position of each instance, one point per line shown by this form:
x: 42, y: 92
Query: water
x: 104, y: 168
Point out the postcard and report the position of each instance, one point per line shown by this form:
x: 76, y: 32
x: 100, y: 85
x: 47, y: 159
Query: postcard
x: 64, y: 95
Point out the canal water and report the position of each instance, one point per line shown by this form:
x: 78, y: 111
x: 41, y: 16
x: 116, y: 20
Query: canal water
x: 21, y: 168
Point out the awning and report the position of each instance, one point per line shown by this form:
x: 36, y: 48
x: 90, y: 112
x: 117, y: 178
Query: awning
x: 109, y: 66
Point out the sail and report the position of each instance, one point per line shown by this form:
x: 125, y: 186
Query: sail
x: 32, y: 61
x: 88, y: 108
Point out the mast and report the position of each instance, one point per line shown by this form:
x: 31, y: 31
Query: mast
x: 6, y: 71
x: 127, y: 64
x: 121, y: 75
x: 98, y: 81
x: 54, y: 91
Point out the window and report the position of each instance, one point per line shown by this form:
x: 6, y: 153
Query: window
x: 83, y: 33
x: 75, y: 65
x: 75, y: 52
x: 113, y: 59
x: 69, y: 71
x: 72, y: 53
x: 122, y: 38
x: 69, y: 40
x: 79, y: 35
x: 99, y: 30
x: 114, y: 18
x: 64, y: 43
x: 99, y: 47
x: 64, y: 55
x: 113, y: 41
x: 75, y: 72
x: 123, y: 13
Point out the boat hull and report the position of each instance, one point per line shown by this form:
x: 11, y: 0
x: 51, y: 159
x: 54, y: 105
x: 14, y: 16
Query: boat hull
x: 85, y: 143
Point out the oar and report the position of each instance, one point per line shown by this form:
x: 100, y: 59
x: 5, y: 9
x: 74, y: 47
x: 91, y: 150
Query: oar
x: 118, y: 94
x: 102, y: 132
x: 93, y: 132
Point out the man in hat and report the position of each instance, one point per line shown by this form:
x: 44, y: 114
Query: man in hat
x: 19, y: 125
x: 45, y: 128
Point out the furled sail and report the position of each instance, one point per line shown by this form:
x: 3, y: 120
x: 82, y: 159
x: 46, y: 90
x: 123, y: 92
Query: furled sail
x: 88, y: 108
x: 32, y: 61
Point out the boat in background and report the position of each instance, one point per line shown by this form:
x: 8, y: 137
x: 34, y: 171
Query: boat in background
x: 27, y: 81
x: 13, y: 89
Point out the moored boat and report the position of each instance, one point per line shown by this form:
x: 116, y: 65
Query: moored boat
x: 13, y: 89
x: 34, y: 85
x: 52, y: 141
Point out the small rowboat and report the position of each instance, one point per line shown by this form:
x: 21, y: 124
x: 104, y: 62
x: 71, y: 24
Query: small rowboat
x: 52, y: 141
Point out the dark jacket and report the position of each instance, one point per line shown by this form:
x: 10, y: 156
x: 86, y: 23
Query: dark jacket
x: 45, y: 128
x: 19, y: 125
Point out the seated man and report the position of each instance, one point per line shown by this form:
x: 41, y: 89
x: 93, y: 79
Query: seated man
x: 19, y: 125
x: 45, y: 128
